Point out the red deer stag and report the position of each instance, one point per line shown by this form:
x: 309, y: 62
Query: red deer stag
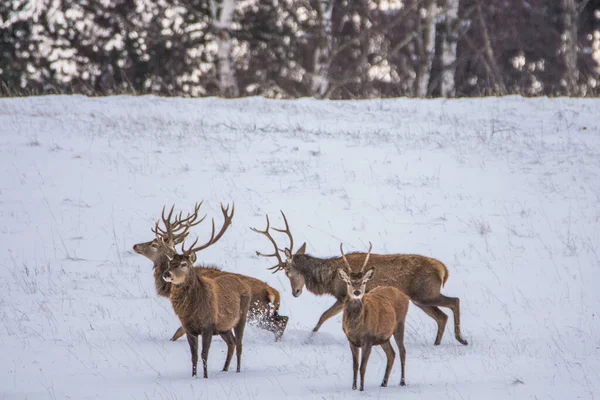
x: 264, y: 308
x: 371, y: 319
x: 420, y: 278
x: 206, y: 306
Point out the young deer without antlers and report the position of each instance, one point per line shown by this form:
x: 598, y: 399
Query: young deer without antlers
x: 420, y: 278
x: 371, y: 319
x: 264, y: 307
x: 206, y: 306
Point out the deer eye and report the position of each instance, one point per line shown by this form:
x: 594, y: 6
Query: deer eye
x: 154, y: 245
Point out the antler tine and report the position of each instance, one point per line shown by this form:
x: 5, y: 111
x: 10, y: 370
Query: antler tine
x: 161, y: 237
x: 286, y: 231
x: 213, y: 239
x: 183, y: 225
x: 344, y: 257
x: 190, y: 220
x: 276, y: 253
x: 188, y: 252
x: 168, y: 233
x: 367, y: 258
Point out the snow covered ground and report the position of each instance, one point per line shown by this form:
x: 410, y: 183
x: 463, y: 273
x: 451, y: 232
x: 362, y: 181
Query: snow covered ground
x: 505, y: 191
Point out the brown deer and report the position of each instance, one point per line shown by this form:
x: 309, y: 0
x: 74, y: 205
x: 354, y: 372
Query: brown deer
x: 206, y: 306
x: 420, y: 278
x: 264, y: 308
x: 370, y: 319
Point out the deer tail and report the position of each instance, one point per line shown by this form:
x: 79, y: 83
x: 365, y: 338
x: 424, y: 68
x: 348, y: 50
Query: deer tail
x: 273, y: 297
x: 444, y: 274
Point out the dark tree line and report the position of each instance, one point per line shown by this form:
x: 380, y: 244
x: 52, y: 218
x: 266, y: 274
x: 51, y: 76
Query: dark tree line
x: 339, y: 49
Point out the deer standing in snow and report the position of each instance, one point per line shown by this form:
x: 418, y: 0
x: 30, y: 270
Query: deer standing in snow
x: 420, y: 278
x: 264, y: 308
x: 371, y: 319
x: 205, y: 306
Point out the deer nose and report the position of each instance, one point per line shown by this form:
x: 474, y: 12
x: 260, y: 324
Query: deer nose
x: 167, y: 274
x: 357, y: 293
x: 297, y: 292
x: 135, y: 248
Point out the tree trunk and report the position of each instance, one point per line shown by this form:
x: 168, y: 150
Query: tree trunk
x: 222, y: 21
x: 320, y: 78
x: 569, y: 46
x: 427, y: 48
x: 449, y: 40
x: 491, y: 64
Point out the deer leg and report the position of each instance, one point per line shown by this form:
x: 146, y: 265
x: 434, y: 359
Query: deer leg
x: 453, y: 303
x: 193, y: 342
x: 206, y: 341
x: 335, y: 309
x: 399, y: 336
x: 366, y: 353
x: 355, y: 350
x: 440, y: 318
x: 230, y: 340
x: 239, y: 330
x: 390, y: 354
x: 179, y: 333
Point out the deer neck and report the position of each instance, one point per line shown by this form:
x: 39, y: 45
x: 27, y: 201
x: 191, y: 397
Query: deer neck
x: 190, y: 296
x: 353, y: 310
x: 160, y: 266
x: 318, y: 273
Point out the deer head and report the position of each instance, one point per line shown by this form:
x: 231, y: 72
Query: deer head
x: 356, y: 282
x: 179, y: 227
x: 181, y: 264
x: 288, y: 266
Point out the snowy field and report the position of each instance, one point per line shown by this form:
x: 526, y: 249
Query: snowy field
x: 505, y: 191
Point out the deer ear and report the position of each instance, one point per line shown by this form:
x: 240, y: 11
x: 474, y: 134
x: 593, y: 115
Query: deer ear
x: 288, y: 254
x: 193, y: 258
x: 368, y: 275
x: 302, y: 249
x: 343, y: 275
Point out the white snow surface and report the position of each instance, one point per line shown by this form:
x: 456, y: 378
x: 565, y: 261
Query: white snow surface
x: 504, y: 191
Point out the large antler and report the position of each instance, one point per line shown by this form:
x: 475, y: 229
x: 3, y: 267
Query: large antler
x: 279, y: 266
x: 287, y: 232
x: 346, y: 260
x: 213, y: 239
x: 175, y: 232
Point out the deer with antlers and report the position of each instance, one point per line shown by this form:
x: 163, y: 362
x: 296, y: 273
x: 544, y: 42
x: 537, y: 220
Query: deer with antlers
x: 420, y: 278
x: 205, y: 306
x: 371, y: 319
x: 264, y: 308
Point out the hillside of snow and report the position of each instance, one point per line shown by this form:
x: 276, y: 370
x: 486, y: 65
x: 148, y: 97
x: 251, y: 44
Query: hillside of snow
x: 504, y: 191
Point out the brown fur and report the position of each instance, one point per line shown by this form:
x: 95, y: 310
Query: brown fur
x: 207, y: 307
x: 264, y: 308
x: 419, y: 277
x: 372, y: 321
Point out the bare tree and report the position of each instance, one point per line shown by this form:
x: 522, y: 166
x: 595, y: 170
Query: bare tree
x: 320, y: 80
x: 569, y: 46
x: 449, y: 41
x: 222, y: 15
x: 490, y: 63
x: 426, y: 40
